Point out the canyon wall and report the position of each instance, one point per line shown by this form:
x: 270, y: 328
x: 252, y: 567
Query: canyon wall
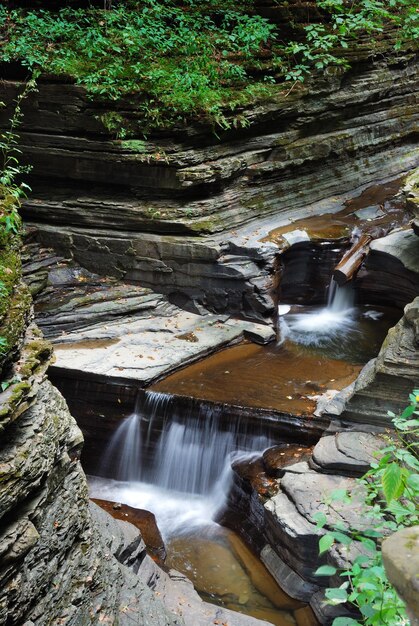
x: 174, y: 211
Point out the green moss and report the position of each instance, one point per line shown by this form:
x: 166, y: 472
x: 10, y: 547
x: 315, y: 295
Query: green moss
x: 15, y: 396
x: 209, y: 225
x: 134, y: 145
x: 15, y: 319
x: 36, y: 353
x: 10, y: 271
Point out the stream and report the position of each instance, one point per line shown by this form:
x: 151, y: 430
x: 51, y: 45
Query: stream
x: 178, y: 465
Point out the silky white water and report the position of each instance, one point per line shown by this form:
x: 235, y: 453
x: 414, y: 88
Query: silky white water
x: 187, y: 480
x: 319, y: 326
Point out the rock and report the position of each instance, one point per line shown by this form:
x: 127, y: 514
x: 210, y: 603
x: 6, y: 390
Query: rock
x: 411, y: 191
x: 346, y: 453
x: 257, y: 333
x: 252, y: 471
x: 141, y: 349
x: 143, y: 520
x: 391, y: 272
x: 401, y: 561
x: 403, y: 246
x: 384, y: 383
x: 178, y: 217
x: 284, y: 455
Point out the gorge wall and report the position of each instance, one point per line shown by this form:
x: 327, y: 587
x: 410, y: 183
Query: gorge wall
x: 58, y: 564
x: 178, y: 213
x: 64, y: 561
x: 175, y: 211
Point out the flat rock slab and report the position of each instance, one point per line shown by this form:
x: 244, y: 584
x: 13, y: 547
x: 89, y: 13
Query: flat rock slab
x: 347, y: 453
x: 309, y: 492
x: 143, y: 350
x: 258, y: 333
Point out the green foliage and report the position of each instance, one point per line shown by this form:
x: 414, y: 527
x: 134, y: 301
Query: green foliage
x: 179, y: 59
x: 391, y: 492
x: 11, y: 191
x: 200, y: 59
x: 347, y: 25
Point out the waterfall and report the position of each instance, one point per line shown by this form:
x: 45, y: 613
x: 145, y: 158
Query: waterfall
x: 175, y: 463
x: 319, y: 326
x: 189, y: 453
x: 126, y: 444
x: 340, y: 298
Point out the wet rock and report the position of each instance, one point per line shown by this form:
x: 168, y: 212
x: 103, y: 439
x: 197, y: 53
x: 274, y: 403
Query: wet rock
x: 346, y: 453
x: 277, y: 458
x: 403, y: 246
x: 384, y: 383
x: 391, y: 270
x: 254, y: 473
x: 401, y: 561
x: 258, y: 333
x: 143, y: 520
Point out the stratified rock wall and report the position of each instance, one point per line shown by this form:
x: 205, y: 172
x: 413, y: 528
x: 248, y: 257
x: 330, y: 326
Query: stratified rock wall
x: 164, y: 211
x: 385, y: 382
x: 56, y: 565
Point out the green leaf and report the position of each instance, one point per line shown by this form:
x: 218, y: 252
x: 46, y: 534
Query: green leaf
x: 345, y: 621
x: 325, y: 570
x: 338, y: 495
x: 392, y: 482
x: 336, y: 596
x: 342, y: 538
x: 413, y: 482
x: 409, y: 410
x: 320, y: 518
x: 325, y: 543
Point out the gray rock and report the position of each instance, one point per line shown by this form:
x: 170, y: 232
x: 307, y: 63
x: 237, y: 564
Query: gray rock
x: 401, y: 561
x: 347, y: 453
x: 384, y: 384
x: 257, y: 333
x: 403, y: 245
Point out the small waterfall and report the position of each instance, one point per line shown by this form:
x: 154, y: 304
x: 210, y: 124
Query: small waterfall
x: 174, y: 463
x: 190, y: 452
x: 321, y: 326
x: 340, y: 299
x: 125, y: 445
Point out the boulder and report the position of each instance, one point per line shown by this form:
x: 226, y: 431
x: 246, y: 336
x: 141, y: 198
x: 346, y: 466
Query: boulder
x: 346, y: 453
x: 401, y: 560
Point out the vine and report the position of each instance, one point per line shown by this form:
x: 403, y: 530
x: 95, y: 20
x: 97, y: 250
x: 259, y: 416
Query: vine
x: 12, y: 189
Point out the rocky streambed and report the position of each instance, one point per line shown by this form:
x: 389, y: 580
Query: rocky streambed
x: 179, y: 295
x: 211, y: 382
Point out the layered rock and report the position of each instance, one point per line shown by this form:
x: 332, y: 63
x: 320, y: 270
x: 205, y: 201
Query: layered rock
x: 179, y: 198
x: 385, y: 382
x: 274, y: 501
x: 56, y: 562
x: 401, y: 560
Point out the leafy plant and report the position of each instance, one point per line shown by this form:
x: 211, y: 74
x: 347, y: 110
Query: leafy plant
x: 391, y: 492
x: 11, y: 190
x: 200, y: 59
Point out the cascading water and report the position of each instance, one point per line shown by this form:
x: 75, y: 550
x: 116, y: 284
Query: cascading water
x: 181, y: 472
x: 319, y: 326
